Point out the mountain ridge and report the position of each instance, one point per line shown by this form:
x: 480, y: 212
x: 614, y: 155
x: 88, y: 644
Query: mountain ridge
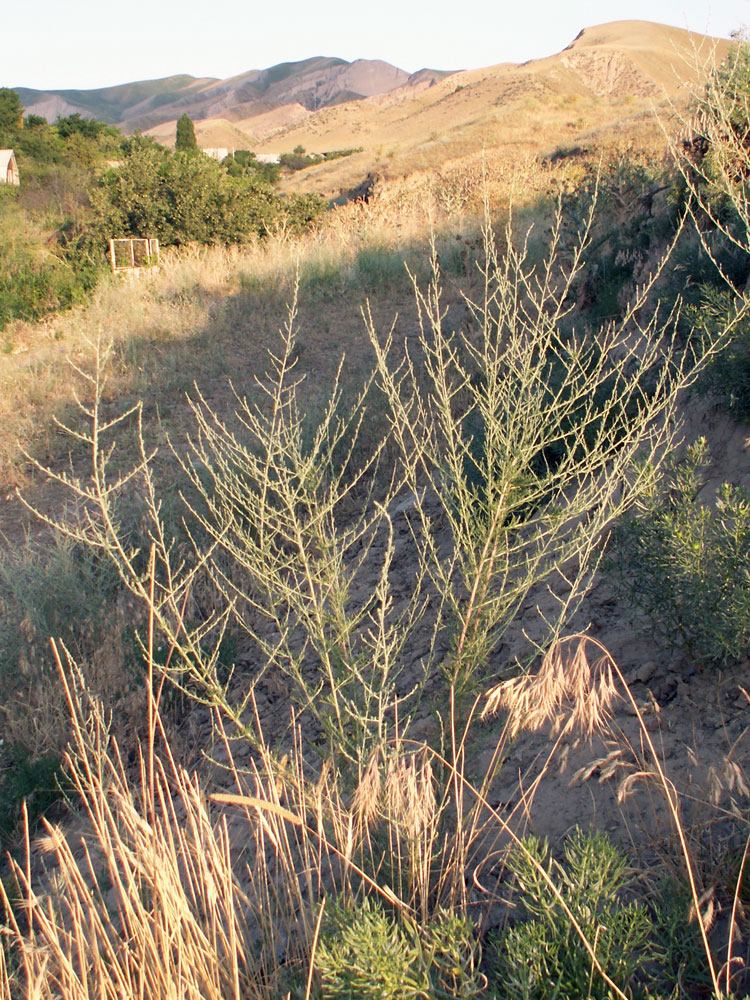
x: 313, y: 83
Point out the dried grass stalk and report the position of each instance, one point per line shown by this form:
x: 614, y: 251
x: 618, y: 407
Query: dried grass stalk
x: 573, y: 692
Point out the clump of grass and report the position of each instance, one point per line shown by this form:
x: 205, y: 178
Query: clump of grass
x: 59, y: 589
x: 295, y: 893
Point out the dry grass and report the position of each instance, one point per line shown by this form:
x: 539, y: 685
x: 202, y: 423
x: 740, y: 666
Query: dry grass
x: 203, y: 312
x: 160, y: 894
x: 208, y: 314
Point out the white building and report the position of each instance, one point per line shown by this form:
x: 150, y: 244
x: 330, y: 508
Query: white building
x: 218, y: 153
x: 9, y: 168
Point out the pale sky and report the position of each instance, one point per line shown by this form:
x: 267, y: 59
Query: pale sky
x: 66, y: 44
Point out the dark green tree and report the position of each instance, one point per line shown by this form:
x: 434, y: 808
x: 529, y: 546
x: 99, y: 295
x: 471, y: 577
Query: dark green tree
x: 11, y: 110
x: 185, y: 141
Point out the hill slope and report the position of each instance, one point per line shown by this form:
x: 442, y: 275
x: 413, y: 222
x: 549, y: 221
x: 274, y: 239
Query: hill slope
x: 313, y: 83
x: 608, y: 80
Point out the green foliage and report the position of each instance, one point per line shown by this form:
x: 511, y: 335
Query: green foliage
x: 298, y: 212
x: 30, y: 287
x: 39, y: 781
x: 49, y: 261
x: 11, y: 111
x: 543, y: 957
x: 366, y: 954
x: 132, y: 143
x: 681, y: 956
x: 75, y: 124
x: 728, y: 373
x: 182, y: 198
x: 244, y: 162
x: 299, y: 159
x: 687, y: 565
x: 185, y: 141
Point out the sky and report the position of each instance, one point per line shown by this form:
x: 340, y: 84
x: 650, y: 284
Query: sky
x: 84, y: 44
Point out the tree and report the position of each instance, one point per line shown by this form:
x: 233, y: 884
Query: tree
x: 76, y: 124
x: 182, y: 198
x: 185, y: 141
x: 11, y: 110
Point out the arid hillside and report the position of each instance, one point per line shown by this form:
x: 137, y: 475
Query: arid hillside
x: 605, y: 85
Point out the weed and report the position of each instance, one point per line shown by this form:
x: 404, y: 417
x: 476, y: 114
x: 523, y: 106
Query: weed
x: 685, y: 564
x: 364, y: 953
x: 28, y: 786
x: 679, y: 949
x: 541, y: 957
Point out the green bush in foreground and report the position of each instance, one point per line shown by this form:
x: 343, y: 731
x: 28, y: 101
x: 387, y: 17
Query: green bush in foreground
x: 543, y: 957
x: 686, y: 564
x: 365, y: 953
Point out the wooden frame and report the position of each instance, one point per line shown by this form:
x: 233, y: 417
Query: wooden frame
x: 133, y: 255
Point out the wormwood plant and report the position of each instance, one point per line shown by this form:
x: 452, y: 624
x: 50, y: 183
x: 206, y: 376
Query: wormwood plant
x: 541, y: 957
x: 728, y: 374
x: 561, y: 417
x: 294, y: 520
x: 686, y: 564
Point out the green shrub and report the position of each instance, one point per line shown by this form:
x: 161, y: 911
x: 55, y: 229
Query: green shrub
x: 366, y: 954
x: 30, y: 287
x: 38, y: 781
x: 728, y: 373
x: 181, y: 198
x: 542, y: 957
x: 687, y: 565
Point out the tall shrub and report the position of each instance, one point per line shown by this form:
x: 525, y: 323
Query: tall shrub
x: 185, y: 141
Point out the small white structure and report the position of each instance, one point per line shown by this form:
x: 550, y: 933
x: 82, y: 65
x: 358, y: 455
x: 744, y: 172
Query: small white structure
x: 267, y: 157
x: 217, y: 153
x: 9, y: 168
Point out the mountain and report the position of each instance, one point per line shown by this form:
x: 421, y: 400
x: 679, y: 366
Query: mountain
x: 602, y: 89
x: 313, y: 83
x: 112, y: 104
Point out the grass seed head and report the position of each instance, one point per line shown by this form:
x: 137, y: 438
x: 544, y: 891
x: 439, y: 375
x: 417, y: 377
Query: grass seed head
x: 571, y: 692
